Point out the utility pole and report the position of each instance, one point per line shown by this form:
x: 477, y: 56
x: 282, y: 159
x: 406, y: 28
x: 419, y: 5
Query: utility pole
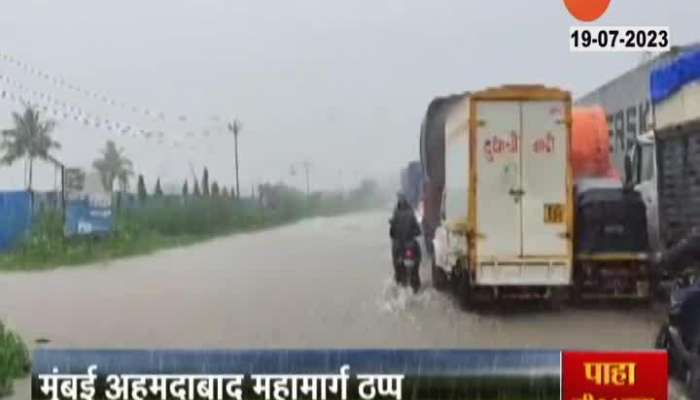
x: 306, y: 165
x: 235, y: 127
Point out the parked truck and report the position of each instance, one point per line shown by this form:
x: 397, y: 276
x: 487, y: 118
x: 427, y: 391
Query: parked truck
x: 666, y: 167
x: 506, y: 192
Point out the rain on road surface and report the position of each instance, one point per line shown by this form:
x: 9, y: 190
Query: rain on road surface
x: 319, y: 283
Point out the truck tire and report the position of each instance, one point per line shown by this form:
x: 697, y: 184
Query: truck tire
x: 440, y: 279
x: 557, y: 298
x: 577, y: 287
x: 462, y: 287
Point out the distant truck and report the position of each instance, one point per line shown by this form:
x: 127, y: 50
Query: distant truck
x: 506, y: 194
x: 412, y: 183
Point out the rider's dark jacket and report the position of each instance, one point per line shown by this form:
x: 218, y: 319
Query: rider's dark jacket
x: 404, y: 225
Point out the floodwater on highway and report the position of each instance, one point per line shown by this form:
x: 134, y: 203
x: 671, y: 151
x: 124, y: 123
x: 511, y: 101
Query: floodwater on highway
x: 320, y: 283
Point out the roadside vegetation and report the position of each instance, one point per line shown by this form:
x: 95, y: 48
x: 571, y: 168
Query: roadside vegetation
x: 143, y: 222
x: 161, y: 221
x: 14, y: 360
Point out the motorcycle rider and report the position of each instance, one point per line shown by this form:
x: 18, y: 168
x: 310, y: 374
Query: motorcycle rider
x: 404, y: 228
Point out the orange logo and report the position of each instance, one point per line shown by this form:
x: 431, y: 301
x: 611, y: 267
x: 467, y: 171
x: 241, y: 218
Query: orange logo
x: 587, y: 10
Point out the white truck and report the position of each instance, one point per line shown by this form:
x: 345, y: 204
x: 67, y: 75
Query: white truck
x: 507, y: 209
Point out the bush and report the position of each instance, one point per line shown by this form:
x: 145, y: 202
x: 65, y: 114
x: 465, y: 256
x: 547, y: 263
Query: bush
x: 14, y: 359
x: 200, y: 216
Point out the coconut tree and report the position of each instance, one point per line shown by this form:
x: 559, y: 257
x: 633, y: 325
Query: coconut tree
x: 30, y: 137
x: 113, y: 166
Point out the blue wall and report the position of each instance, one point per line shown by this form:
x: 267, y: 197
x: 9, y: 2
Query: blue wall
x: 15, y: 217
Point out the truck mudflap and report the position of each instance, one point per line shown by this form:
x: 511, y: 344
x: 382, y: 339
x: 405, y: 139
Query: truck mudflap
x: 523, y: 272
x: 614, y: 276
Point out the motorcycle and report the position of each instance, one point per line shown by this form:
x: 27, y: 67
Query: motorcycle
x: 407, y: 263
x: 680, y: 335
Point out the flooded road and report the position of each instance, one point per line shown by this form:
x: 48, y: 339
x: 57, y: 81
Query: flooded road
x: 320, y: 283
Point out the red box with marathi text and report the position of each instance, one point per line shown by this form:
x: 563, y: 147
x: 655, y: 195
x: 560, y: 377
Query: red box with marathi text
x: 614, y: 375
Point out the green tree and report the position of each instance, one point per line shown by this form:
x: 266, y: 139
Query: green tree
x: 224, y: 192
x: 141, y: 189
x: 185, y: 189
x: 158, y: 191
x: 30, y: 137
x: 113, y: 165
x: 215, y: 189
x: 196, y: 190
x: 205, y: 182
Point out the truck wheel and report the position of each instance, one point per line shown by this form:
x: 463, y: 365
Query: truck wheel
x: 577, y: 290
x: 462, y: 287
x: 557, y: 298
x: 439, y: 277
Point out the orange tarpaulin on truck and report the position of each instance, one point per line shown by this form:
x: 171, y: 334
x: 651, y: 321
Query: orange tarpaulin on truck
x: 590, y: 144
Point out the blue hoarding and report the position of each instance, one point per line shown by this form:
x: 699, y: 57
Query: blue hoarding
x: 88, y: 216
x: 15, y: 217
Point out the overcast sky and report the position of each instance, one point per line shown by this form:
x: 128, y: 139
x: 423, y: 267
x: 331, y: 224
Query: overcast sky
x: 342, y: 84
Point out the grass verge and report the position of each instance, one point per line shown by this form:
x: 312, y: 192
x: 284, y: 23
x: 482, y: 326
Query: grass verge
x: 160, y: 223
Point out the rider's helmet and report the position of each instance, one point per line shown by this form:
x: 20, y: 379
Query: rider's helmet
x: 402, y: 202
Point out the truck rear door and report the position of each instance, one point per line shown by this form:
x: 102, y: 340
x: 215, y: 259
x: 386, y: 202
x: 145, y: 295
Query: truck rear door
x: 522, y: 192
x: 498, y: 169
x: 544, y: 183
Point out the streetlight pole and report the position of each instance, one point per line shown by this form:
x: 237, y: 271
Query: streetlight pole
x: 235, y: 127
x: 306, y: 165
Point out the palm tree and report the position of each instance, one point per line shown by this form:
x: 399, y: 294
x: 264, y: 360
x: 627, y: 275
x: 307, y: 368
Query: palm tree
x: 30, y: 137
x: 113, y: 165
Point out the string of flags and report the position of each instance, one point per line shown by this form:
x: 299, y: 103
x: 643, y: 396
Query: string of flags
x: 60, y: 82
x: 62, y: 110
x: 76, y: 115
